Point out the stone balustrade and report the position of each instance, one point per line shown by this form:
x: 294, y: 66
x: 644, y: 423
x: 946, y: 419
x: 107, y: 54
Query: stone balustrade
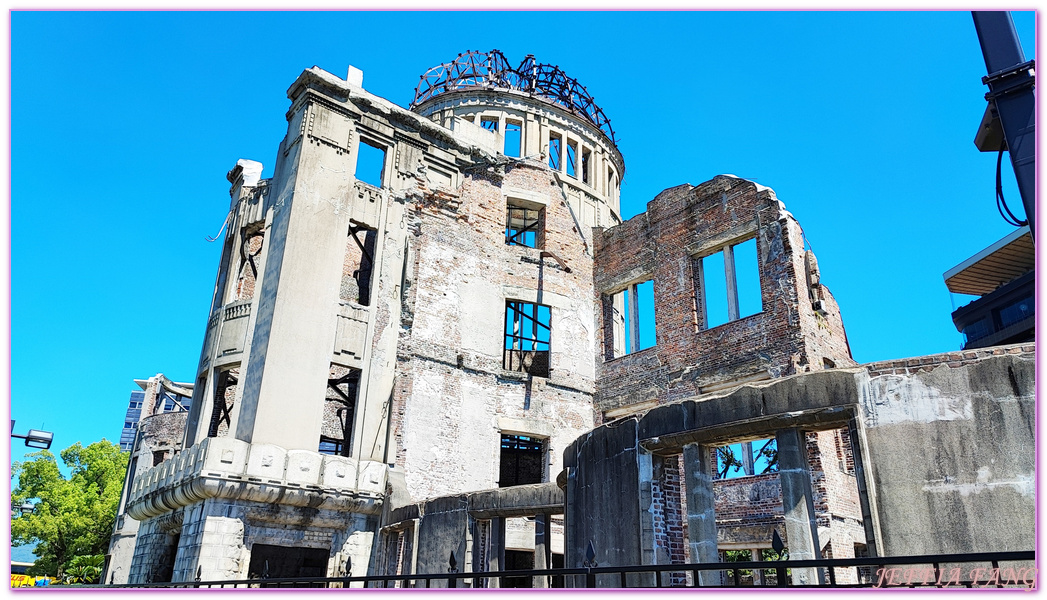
x: 232, y: 469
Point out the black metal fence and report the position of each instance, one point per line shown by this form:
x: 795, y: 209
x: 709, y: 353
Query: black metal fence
x: 985, y: 570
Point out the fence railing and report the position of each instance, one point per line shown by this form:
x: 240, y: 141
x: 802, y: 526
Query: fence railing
x: 943, y: 571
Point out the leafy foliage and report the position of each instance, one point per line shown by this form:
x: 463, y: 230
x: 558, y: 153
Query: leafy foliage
x: 74, y: 517
x: 85, y: 569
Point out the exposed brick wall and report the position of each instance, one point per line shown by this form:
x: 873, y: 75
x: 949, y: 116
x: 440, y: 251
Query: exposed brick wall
x: 680, y: 225
x: 906, y: 366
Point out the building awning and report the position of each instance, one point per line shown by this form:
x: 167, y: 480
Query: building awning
x: 1007, y: 259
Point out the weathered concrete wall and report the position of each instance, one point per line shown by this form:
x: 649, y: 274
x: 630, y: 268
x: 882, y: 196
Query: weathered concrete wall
x: 950, y: 455
x: 665, y: 243
x: 603, y: 496
x: 450, y: 369
x: 945, y: 446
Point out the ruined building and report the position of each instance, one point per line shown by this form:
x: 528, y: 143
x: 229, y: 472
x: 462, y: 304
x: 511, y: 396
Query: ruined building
x: 424, y: 340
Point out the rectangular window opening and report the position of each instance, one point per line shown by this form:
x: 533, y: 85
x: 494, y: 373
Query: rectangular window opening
x: 222, y: 405
x: 728, y: 285
x: 747, y: 274
x: 572, y: 155
x: 339, y: 417
x: 523, y: 226
x: 527, y: 332
x: 489, y: 123
x: 586, y: 164
x: 513, y: 139
x: 745, y: 459
x: 554, y: 151
x: 522, y: 460
x: 370, y: 163
x: 358, y: 265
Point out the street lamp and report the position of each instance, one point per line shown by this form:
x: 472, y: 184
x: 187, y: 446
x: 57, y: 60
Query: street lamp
x: 35, y: 438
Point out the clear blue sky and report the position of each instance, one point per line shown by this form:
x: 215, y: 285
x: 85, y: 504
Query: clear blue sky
x: 123, y: 126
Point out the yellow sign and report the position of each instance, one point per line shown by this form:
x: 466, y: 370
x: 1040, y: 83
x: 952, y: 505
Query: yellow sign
x: 22, y: 581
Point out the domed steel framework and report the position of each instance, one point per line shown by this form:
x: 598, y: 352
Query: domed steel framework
x: 491, y: 70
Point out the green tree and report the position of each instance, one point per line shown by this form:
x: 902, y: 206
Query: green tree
x: 75, y: 516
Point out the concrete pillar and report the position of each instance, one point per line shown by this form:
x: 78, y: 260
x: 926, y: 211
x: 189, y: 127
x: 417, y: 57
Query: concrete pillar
x: 798, y: 503
x: 699, y: 467
x: 496, y: 552
x: 543, y: 549
x: 634, y: 319
x: 732, y: 283
x: 756, y: 555
x: 747, y: 458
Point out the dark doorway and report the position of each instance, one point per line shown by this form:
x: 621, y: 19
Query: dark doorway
x: 272, y: 562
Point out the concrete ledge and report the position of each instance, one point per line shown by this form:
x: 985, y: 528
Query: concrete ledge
x: 233, y: 469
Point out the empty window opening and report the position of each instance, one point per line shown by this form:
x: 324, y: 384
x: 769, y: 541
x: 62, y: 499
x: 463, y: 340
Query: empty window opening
x: 250, y: 248
x: 612, y: 181
x: 527, y: 332
x: 159, y: 456
x: 522, y: 460
x: 729, y: 281
x: 632, y: 319
x: 586, y: 164
x: 572, y: 159
x: 370, y: 163
x: 222, y: 406
x: 518, y: 560
x: 336, y: 432
x: 523, y: 226
x: 745, y: 459
x: 555, y: 147
x: 747, y: 275
x: 489, y: 123
x: 513, y: 138
x: 357, y: 265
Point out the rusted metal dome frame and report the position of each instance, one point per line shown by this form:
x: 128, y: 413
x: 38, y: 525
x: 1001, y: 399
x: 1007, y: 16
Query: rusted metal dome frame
x: 491, y: 70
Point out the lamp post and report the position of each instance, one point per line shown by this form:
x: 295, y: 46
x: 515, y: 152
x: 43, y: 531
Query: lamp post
x: 35, y: 438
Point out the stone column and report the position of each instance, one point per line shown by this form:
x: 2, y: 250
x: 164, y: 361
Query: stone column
x: 701, y: 510
x: 798, y: 503
x: 543, y: 549
x: 634, y: 319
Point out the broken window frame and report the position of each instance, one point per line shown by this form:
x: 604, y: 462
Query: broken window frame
x: 489, y: 123
x: 367, y: 249
x: 247, y: 261
x: 555, y: 150
x: 220, y: 410
x: 514, y: 446
x: 586, y: 164
x: 527, y: 230
x: 701, y: 303
x: 347, y: 413
x: 523, y: 338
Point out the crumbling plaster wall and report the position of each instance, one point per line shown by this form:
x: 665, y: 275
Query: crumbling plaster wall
x: 683, y: 224
x: 950, y: 451
x: 450, y: 369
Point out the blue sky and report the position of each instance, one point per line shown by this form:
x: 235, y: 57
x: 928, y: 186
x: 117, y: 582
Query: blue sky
x: 123, y: 126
